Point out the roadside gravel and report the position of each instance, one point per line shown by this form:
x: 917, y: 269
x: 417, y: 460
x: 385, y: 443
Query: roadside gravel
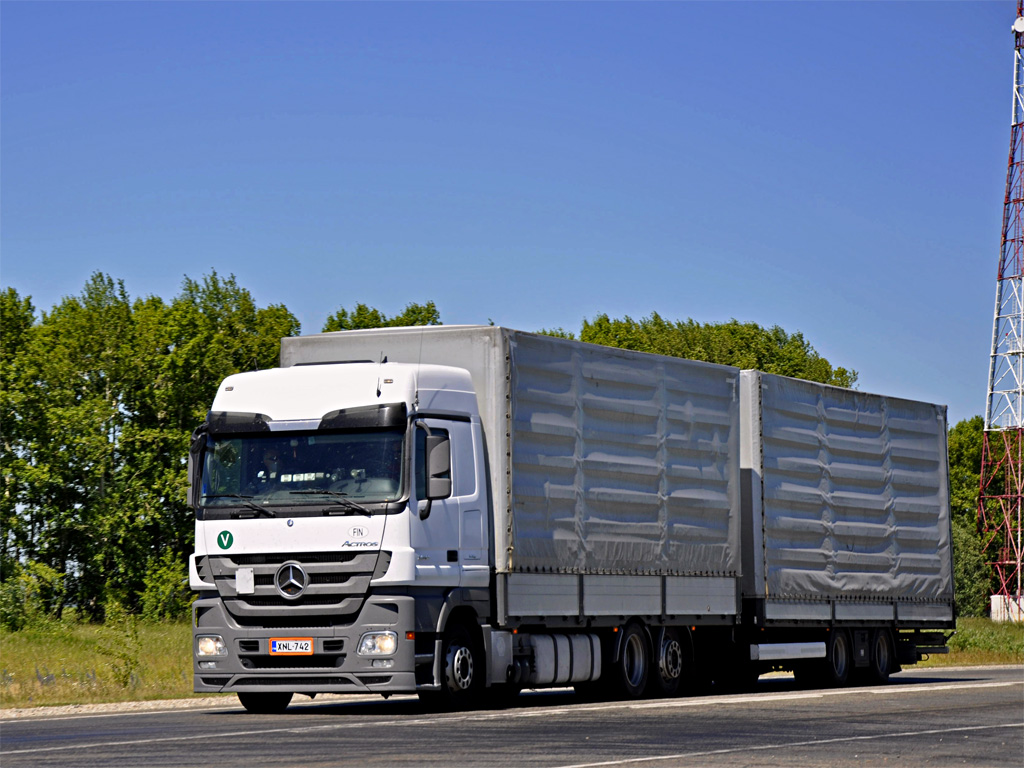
x: 224, y: 701
x: 159, y: 705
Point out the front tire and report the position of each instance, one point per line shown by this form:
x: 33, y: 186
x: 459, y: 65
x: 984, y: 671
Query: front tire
x: 265, y: 703
x: 462, y: 671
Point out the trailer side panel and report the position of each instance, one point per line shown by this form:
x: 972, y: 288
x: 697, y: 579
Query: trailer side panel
x: 854, y: 503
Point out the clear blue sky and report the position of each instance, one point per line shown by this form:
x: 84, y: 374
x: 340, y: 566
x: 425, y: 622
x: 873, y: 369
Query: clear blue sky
x: 834, y: 168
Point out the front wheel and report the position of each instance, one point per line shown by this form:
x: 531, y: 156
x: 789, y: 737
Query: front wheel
x: 265, y: 703
x: 462, y: 671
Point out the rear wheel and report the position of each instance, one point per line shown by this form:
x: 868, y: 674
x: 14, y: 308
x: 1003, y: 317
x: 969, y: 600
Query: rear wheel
x: 629, y: 672
x: 831, y: 671
x: 883, y: 655
x: 666, y: 675
x: 835, y: 670
x: 265, y: 703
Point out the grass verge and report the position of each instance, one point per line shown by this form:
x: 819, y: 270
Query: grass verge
x: 68, y: 663
x: 982, y: 641
x: 57, y: 663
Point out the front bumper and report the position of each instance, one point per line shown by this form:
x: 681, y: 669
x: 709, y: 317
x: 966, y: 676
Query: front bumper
x: 334, y: 666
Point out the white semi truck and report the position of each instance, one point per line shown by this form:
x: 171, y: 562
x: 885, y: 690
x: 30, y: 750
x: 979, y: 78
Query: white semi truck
x: 463, y: 512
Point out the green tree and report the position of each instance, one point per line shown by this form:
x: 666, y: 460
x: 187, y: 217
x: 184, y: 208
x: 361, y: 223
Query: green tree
x: 965, y: 443
x: 70, y: 418
x: 99, y: 399
x: 214, y: 330
x: 17, y: 316
x: 368, y: 317
x: 744, y: 345
x: 972, y: 576
x: 558, y: 333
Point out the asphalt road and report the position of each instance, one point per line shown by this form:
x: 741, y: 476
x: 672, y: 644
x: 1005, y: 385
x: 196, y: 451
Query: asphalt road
x: 931, y: 717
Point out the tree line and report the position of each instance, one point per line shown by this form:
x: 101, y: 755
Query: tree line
x: 98, y: 397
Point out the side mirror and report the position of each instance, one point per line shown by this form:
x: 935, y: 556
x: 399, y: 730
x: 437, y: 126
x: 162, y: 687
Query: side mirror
x: 437, y: 464
x: 439, y: 467
x: 196, y: 456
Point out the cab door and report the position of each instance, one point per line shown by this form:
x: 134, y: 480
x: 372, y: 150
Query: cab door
x: 435, y: 527
x: 451, y: 543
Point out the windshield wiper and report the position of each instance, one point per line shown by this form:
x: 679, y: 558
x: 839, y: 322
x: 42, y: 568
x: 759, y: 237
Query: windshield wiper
x: 336, y: 497
x: 246, y: 500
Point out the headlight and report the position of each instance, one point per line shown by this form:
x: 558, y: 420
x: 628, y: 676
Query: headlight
x: 378, y: 644
x: 211, y: 645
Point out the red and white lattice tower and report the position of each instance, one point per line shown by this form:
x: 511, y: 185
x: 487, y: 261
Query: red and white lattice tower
x: 1002, y: 466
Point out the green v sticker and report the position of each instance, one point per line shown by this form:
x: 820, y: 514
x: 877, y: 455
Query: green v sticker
x: 224, y: 539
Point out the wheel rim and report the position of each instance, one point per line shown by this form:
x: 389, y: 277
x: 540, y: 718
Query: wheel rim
x: 671, y: 662
x: 459, y: 668
x: 633, y: 661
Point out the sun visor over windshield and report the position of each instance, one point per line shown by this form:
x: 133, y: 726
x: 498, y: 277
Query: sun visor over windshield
x: 388, y: 416
x: 221, y: 422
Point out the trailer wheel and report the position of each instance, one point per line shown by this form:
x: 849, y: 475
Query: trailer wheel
x: 838, y: 659
x: 265, y: 703
x: 629, y: 672
x: 670, y: 663
x: 882, y: 656
x: 462, y: 671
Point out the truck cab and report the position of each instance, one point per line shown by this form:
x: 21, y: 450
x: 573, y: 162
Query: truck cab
x: 339, y: 513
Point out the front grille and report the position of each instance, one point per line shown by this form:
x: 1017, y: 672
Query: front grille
x: 272, y: 602
x: 319, y: 578
x: 279, y: 558
x: 289, y: 622
x: 337, y: 586
x: 378, y: 680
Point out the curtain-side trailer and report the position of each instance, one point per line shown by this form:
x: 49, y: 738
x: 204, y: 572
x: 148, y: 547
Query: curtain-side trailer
x: 466, y: 511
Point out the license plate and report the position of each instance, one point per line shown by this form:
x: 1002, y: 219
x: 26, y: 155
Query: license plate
x: 291, y: 646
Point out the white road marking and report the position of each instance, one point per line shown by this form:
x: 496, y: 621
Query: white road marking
x: 575, y: 708
x: 790, y: 745
x: 886, y: 690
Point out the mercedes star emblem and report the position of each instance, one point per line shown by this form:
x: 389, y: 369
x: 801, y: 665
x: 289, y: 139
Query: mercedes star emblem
x: 291, y: 580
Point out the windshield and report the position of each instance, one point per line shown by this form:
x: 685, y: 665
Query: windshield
x: 302, y: 468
